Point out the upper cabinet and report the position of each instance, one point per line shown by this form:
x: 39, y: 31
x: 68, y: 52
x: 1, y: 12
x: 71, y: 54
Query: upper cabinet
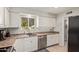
x: 7, y: 20
x: 1, y: 16
x: 4, y: 17
x: 14, y: 19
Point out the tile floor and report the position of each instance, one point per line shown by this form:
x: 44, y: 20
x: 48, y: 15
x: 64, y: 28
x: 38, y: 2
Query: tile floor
x: 57, y: 48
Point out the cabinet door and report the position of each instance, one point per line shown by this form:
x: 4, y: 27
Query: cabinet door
x: 34, y: 43
x: 30, y: 44
x: 6, y: 17
x: 27, y: 45
x: 19, y: 45
x: 52, y: 39
x: 49, y: 40
x: 15, y: 20
x: 55, y: 39
x: 1, y: 16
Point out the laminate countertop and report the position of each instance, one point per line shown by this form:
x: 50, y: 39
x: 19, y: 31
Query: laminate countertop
x: 9, y: 41
x: 46, y: 33
x: 27, y: 35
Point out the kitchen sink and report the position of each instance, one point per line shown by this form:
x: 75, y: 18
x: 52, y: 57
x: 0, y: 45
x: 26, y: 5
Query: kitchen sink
x: 31, y: 34
x: 25, y: 35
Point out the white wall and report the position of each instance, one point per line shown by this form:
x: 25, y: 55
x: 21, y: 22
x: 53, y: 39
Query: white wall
x: 46, y: 21
x: 60, y: 28
x: 60, y: 23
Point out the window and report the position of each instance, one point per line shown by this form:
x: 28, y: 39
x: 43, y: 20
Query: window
x: 24, y: 22
x: 31, y: 22
x: 28, y: 21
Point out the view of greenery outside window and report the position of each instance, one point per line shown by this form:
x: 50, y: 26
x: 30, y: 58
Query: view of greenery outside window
x: 27, y: 23
x: 24, y: 22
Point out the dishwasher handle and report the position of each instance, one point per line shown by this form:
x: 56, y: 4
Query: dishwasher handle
x: 42, y: 36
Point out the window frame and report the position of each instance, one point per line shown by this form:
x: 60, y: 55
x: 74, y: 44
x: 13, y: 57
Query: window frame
x: 28, y: 16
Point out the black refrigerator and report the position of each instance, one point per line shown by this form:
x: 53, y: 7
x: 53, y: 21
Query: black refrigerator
x: 73, y: 34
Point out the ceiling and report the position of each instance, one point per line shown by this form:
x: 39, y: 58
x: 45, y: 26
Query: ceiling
x: 51, y: 10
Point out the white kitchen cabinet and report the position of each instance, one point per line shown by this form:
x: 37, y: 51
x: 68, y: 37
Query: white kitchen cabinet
x: 52, y: 39
x: 7, y: 20
x: 31, y: 44
x: 1, y: 16
x: 19, y: 45
x: 4, y: 17
x: 15, y: 20
x: 26, y: 44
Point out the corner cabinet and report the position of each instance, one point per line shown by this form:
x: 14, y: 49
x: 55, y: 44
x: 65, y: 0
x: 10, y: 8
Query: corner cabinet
x: 52, y: 39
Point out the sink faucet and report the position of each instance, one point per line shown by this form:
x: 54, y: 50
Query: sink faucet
x: 52, y: 29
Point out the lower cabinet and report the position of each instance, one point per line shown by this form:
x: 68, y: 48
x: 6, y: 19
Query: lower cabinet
x: 26, y: 44
x: 19, y: 45
x: 35, y: 43
x: 52, y: 39
x: 31, y: 44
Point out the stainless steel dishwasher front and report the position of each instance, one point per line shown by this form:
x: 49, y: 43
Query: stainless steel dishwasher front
x: 42, y: 41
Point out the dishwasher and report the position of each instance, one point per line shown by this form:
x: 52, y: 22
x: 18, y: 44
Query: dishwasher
x: 42, y: 41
